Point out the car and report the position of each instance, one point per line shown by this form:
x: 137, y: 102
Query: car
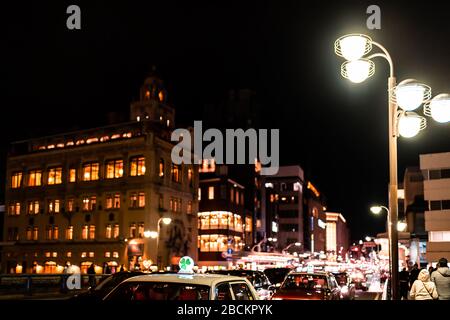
x: 359, y: 280
x: 308, y: 286
x: 277, y: 275
x: 258, y: 279
x: 347, y: 288
x: 108, y: 283
x: 183, y: 287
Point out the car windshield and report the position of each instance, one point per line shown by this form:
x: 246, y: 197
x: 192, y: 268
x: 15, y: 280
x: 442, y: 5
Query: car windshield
x: 276, y: 275
x: 237, y: 273
x: 159, y: 291
x: 304, y: 282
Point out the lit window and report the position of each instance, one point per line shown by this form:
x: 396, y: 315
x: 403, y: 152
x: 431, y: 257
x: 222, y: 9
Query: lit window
x: 161, y: 168
x: 70, y: 205
x: 114, y: 169
x: 91, y: 254
x: 69, y: 254
x: 116, y: 231
x: 60, y: 145
x: 35, y: 178
x: 89, y: 203
x: 85, y: 232
x: 210, y: 193
x: 69, y: 233
x: 16, y: 180
x: 84, y: 254
x: 208, y: 165
x: 237, y: 196
x: 54, y: 254
x: 191, y: 177
x: 115, y: 136
x: 175, y: 172
x: 160, y: 96
x: 141, y: 202
x: 199, y: 194
x: 133, y: 230
x: 54, y: 176
x: 47, y: 254
x: 189, y: 207
x: 108, y: 231
x: 69, y: 143
x: 113, y: 201
x: 33, y: 207
x: 91, y: 140
x: 14, y: 209
x: 248, y: 224
x: 108, y: 254
x: 79, y: 142
x: 72, y: 175
x: 55, y: 233
x: 90, y: 171
x: 140, y: 230
x: 137, y: 200
x: 115, y: 254
x: 54, y: 206
x: 92, y: 232
x: 29, y: 233
x: 104, y: 138
x: 137, y: 166
x: 35, y: 233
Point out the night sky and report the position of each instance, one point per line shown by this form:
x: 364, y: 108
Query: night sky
x: 57, y: 79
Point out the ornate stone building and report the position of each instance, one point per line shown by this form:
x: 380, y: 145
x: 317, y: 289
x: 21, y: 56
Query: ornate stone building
x: 98, y: 196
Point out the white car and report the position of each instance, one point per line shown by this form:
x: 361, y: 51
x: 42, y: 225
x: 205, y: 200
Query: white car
x: 183, y: 287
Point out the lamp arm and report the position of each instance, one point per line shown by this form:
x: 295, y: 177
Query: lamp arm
x: 386, y: 55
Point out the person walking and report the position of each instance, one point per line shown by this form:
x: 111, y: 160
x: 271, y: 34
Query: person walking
x: 423, y: 288
x: 404, y: 284
x: 91, y: 273
x: 441, y: 278
x: 413, y: 274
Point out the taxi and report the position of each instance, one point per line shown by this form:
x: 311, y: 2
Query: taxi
x: 185, y: 285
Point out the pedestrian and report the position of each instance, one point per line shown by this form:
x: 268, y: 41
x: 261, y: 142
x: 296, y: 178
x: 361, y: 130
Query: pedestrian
x: 106, y: 268
x: 122, y: 268
x: 413, y: 274
x: 423, y: 288
x: 404, y: 283
x: 91, y: 273
x: 441, y: 277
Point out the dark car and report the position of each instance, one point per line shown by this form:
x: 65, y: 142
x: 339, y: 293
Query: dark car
x: 105, y: 286
x: 347, y: 288
x: 276, y: 275
x: 359, y: 280
x: 258, y: 279
x: 308, y: 286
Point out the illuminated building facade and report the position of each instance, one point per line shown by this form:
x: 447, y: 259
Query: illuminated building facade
x: 337, y: 234
x: 89, y: 196
x: 224, y: 226
x: 436, y: 172
x: 314, y: 219
x: 282, y: 209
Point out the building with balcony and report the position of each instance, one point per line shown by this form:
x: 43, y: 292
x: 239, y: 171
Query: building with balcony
x: 89, y: 196
x: 436, y: 173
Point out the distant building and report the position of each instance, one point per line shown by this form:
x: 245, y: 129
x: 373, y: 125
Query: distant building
x: 338, y: 237
x: 436, y: 173
x: 282, y: 207
x: 224, y: 225
x: 314, y: 219
x: 96, y: 196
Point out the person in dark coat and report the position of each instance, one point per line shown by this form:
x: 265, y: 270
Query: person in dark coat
x: 91, y: 273
x: 404, y: 284
x: 413, y: 274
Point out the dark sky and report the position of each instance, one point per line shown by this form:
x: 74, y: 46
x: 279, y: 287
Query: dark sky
x: 57, y: 79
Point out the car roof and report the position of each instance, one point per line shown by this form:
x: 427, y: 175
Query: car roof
x: 196, y: 278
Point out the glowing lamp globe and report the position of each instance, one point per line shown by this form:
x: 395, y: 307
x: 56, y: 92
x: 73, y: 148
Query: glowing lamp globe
x: 375, y: 209
x: 353, y: 46
x: 409, y: 124
x: 166, y: 221
x: 409, y: 94
x: 401, y: 226
x: 439, y: 108
x: 358, y: 70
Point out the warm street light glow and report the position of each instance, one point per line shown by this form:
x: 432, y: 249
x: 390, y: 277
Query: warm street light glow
x: 409, y: 94
x: 409, y: 124
x: 150, y: 234
x: 298, y: 244
x: 353, y: 46
x: 358, y: 70
x: 439, y: 108
x: 166, y: 220
x: 401, y: 226
x: 368, y: 238
x: 376, y: 209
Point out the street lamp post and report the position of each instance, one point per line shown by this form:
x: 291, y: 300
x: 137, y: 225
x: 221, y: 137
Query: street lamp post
x: 408, y: 95
x: 156, y: 235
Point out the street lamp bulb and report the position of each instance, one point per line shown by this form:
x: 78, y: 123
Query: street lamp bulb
x: 401, y: 226
x: 368, y: 238
x: 409, y: 124
x: 375, y: 209
x: 151, y: 234
x: 439, y: 108
x: 298, y: 244
x: 358, y: 70
x: 166, y: 220
x: 410, y: 94
x: 353, y: 46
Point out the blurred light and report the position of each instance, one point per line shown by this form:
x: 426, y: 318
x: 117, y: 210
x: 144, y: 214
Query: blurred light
x: 358, y: 70
x: 440, y: 108
x: 368, y: 238
x: 401, y: 226
x: 376, y: 209
x: 410, y: 124
x: 166, y: 220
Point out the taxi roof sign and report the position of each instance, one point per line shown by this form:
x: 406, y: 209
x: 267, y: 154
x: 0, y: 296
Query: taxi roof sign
x: 186, y: 265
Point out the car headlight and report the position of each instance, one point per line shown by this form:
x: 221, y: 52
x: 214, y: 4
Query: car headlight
x: 344, y: 290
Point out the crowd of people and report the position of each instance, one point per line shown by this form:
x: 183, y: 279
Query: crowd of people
x: 423, y: 284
